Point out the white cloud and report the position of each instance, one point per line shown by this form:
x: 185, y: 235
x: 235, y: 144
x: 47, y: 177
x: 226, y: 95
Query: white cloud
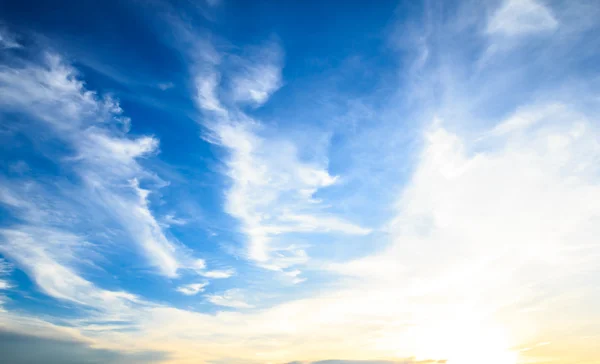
x: 485, y: 228
x: 145, y: 229
x: 272, y: 190
x: 5, y: 267
x: 192, y: 288
x: 60, y: 98
x: 468, y: 271
x: 107, y: 160
x: 4, y: 285
x: 206, y: 85
x: 480, y: 242
x: 233, y: 298
x: 294, y: 275
x: 519, y: 17
x: 218, y: 274
x: 269, y: 190
x: 258, y: 76
x: 48, y: 256
x: 100, y: 146
x: 170, y: 220
x: 322, y: 223
x: 524, y: 119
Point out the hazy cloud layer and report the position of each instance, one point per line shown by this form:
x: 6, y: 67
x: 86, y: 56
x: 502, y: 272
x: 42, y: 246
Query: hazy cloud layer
x: 25, y: 349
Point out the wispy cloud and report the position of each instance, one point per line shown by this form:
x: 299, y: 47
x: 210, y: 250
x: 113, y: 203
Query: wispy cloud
x: 272, y: 190
x: 7, y: 39
x: 522, y: 120
x: 521, y: 17
x: 166, y: 85
x: 170, y: 219
x: 214, y: 2
x: 5, y: 269
x: 48, y: 256
x: 106, y: 159
x: 206, y: 85
x: 233, y: 298
x: 258, y: 75
x: 192, y: 288
x: 218, y: 274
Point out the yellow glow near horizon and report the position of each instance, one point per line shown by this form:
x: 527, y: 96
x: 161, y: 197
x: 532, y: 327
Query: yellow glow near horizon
x: 465, y: 340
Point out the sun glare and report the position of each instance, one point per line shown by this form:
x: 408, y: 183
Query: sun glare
x: 465, y: 342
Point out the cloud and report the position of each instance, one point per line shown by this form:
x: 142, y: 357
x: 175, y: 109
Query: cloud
x: 60, y: 98
x: 521, y: 17
x: 322, y: 223
x: 258, y: 75
x: 106, y: 159
x: 170, y: 220
x: 214, y: 3
x: 192, y: 288
x: 524, y: 119
x: 146, y: 230
x: 270, y: 184
x: 459, y: 273
x: 5, y: 267
x: 48, y: 257
x: 165, y: 86
x: 218, y: 274
x: 272, y: 190
x: 19, y: 167
x: 7, y: 40
x: 205, y: 91
x: 233, y: 298
x: 471, y: 227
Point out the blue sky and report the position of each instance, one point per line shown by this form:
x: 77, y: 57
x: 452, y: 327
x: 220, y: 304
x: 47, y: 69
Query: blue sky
x: 274, y: 182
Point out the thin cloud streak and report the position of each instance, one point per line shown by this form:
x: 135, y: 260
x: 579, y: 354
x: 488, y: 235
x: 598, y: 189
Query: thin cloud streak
x: 272, y: 191
x: 521, y: 17
x: 106, y: 160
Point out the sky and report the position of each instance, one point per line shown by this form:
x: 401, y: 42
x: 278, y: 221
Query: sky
x: 297, y: 182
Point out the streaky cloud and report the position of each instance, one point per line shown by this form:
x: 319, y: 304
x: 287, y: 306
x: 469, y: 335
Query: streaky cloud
x: 521, y: 17
x: 256, y: 77
x: 233, y: 298
x: 106, y: 159
x: 192, y: 288
x: 272, y: 191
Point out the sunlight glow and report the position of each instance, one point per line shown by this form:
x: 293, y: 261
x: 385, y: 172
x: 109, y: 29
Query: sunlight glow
x: 465, y: 341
